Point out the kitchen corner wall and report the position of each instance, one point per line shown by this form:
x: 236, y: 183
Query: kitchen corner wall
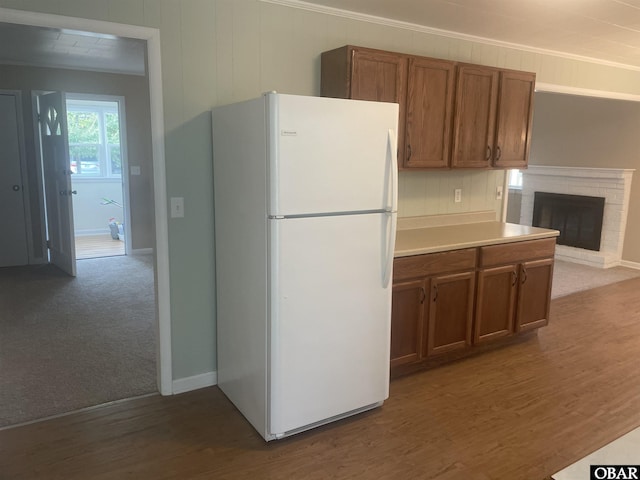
x: 220, y: 51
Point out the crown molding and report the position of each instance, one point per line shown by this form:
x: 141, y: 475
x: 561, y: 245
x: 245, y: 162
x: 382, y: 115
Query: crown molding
x: 302, y: 5
x: 585, y: 92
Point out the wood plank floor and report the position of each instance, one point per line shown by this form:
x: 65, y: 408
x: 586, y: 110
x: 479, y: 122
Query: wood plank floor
x: 520, y: 412
x: 94, y: 246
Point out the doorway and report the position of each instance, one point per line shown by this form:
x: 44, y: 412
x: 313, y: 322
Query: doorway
x: 158, y: 191
x: 98, y: 158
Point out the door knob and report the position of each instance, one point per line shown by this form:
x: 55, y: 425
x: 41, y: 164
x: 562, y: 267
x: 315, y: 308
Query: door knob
x: 16, y: 188
x: 74, y: 192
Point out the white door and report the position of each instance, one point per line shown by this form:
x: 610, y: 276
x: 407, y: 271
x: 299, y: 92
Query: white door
x: 57, y: 181
x: 13, y: 240
x: 330, y: 317
x: 330, y: 155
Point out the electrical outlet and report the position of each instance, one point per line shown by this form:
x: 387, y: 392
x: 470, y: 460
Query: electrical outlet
x: 499, y: 192
x: 457, y: 195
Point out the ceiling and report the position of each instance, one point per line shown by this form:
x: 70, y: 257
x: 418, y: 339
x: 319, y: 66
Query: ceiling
x: 53, y: 47
x: 606, y: 30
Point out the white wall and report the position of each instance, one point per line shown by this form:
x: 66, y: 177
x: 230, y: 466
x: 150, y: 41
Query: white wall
x: 220, y: 51
x: 90, y: 213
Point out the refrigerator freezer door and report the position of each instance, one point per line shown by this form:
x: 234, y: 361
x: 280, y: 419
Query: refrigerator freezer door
x: 330, y: 155
x: 330, y: 317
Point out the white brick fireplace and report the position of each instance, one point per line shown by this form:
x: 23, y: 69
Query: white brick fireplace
x: 614, y: 184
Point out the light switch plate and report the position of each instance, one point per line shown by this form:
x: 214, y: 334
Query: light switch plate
x: 177, y: 207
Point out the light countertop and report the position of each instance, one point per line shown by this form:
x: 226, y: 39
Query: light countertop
x: 439, y: 238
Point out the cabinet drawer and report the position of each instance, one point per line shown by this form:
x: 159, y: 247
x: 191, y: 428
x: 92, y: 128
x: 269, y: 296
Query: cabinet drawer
x: 434, y: 263
x: 516, y: 252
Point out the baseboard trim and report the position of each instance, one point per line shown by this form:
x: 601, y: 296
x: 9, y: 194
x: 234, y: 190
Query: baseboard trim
x: 92, y: 231
x: 628, y: 264
x: 142, y: 251
x: 182, y: 385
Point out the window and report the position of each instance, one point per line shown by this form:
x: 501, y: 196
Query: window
x: 515, y: 179
x: 94, y: 139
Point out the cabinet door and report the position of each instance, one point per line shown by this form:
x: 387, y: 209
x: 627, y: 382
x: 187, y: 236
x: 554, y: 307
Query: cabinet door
x: 475, y: 116
x: 450, y: 313
x: 430, y: 87
x: 382, y: 77
x: 407, y: 315
x: 495, y: 302
x: 534, y: 294
x: 514, y: 119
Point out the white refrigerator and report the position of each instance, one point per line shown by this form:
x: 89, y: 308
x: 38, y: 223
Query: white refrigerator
x: 305, y: 192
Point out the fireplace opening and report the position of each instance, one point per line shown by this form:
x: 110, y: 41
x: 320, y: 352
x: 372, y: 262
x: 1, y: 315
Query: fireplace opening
x: 577, y: 217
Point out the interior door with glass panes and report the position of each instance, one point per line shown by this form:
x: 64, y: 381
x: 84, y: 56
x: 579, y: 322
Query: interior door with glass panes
x: 57, y: 181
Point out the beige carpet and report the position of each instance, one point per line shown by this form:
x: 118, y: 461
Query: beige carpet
x: 68, y: 343
x: 570, y: 277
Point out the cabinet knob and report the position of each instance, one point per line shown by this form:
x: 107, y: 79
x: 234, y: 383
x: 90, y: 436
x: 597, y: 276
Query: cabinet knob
x: 498, y: 153
x: 515, y: 278
x: 524, y: 275
x: 435, y: 293
x: 488, y: 152
x: 424, y: 295
x: 408, y: 152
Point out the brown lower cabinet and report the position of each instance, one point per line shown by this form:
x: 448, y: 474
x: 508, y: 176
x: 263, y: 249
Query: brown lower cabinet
x: 449, y: 302
x: 450, y: 313
x: 496, y: 299
x: 432, y: 309
x: 407, y: 315
x: 534, y: 294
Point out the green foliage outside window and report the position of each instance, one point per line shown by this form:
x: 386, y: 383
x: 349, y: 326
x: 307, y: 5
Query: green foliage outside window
x: 89, y: 124
x: 113, y: 139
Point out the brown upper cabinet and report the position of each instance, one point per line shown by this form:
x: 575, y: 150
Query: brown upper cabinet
x: 493, y: 117
x: 475, y: 118
x: 451, y: 115
x: 515, y: 117
x: 428, y: 113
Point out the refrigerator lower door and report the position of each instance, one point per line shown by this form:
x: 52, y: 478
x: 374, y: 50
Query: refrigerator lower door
x: 330, y: 317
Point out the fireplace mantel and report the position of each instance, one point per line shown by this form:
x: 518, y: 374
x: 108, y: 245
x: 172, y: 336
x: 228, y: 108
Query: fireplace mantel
x: 579, y: 172
x: 614, y: 184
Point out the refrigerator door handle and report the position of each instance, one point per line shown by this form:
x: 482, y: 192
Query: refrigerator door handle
x: 391, y: 245
x: 392, y: 157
